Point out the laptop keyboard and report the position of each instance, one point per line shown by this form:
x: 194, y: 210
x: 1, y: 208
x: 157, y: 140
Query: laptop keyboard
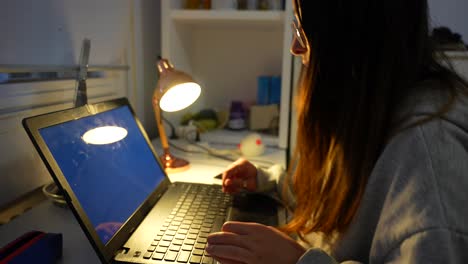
x: 182, y: 238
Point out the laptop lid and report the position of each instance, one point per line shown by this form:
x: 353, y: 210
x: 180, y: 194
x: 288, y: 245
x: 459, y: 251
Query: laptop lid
x: 103, y: 162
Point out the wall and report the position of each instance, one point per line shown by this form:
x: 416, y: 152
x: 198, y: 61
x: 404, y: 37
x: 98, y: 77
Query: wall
x: 50, y: 32
x: 147, y: 47
x: 450, y: 13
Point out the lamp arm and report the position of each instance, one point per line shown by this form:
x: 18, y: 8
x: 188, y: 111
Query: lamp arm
x: 159, y: 123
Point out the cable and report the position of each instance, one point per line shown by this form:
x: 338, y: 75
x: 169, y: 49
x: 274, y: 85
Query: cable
x: 52, y: 192
x: 173, y: 134
x: 209, y: 151
x: 213, y: 153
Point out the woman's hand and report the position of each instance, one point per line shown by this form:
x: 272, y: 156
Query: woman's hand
x: 252, y: 243
x: 240, y: 175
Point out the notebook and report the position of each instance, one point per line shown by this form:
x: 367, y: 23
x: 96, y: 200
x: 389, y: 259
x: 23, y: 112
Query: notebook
x: 104, y: 164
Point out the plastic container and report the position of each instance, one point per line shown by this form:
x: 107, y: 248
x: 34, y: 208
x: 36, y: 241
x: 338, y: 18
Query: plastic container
x: 237, y: 116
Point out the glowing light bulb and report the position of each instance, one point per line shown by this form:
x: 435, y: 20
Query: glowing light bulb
x: 180, y: 96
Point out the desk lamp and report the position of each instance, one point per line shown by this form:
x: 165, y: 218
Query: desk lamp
x: 174, y: 91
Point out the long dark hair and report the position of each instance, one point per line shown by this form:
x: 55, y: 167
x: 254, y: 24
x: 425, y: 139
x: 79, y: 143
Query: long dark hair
x: 366, y: 56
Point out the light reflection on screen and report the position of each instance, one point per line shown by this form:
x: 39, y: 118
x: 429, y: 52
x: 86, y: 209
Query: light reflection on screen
x: 110, y: 180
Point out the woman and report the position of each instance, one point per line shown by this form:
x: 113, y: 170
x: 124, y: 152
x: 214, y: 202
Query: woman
x: 382, y: 162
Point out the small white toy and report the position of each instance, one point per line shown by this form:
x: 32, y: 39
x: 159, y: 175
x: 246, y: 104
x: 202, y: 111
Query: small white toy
x: 252, y: 145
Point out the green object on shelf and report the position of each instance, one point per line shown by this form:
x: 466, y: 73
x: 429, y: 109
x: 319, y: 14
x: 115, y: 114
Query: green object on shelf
x: 206, y: 124
x: 205, y: 120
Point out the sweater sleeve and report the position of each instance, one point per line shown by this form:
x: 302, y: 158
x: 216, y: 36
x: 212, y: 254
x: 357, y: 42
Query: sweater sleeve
x: 318, y: 256
x: 273, y: 180
x: 437, y: 245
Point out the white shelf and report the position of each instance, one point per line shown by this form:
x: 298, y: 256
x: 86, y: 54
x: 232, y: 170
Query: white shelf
x: 226, y: 50
x: 228, y: 17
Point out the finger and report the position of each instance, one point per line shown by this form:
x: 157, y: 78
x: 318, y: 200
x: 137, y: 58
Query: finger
x: 229, y: 187
x: 242, y: 228
x: 235, y: 163
x: 235, y: 183
x: 229, y: 252
x: 225, y: 238
x: 232, y: 172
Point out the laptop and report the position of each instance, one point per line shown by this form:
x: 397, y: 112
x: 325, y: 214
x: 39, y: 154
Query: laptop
x: 105, y: 166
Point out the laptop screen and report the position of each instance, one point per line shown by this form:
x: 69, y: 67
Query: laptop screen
x: 108, y: 164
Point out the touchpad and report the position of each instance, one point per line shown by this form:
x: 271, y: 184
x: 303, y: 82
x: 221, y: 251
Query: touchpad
x: 254, y: 207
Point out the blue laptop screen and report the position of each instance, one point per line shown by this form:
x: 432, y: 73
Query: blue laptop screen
x: 107, y: 163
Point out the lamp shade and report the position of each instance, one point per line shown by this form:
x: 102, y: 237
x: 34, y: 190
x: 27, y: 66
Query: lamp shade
x: 175, y: 90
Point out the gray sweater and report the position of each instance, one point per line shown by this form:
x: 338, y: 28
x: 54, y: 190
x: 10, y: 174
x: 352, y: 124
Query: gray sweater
x: 415, y: 206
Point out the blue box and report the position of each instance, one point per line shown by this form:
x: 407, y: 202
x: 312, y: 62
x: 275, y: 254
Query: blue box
x: 263, y: 90
x: 275, y: 90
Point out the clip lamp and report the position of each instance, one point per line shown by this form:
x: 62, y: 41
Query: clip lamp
x: 174, y: 91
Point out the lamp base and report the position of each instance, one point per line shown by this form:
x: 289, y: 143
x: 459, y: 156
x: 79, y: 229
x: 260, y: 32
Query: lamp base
x: 173, y: 164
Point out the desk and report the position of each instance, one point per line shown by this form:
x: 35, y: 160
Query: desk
x: 76, y: 247
x: 204, y: 166
x: 51, y: 218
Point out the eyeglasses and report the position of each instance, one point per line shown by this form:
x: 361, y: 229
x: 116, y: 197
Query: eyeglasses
x: 299, y: 34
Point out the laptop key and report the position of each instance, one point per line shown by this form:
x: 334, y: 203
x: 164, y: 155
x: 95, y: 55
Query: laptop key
x: 195, y: 226
x: 179, y: 236
x: 158, y: 256
x: 198, y: 252
x: 174, y: 248
x: 187, y: 248
x: 173, y: 228
x: 177, y: 242
x: 182, y: 232
x: 194, y: 231
x: 183, y: 256
x: 192, y: 236
x: 207, y: 260
x: 167, y: 238
x: 205, y: 229
x: 171, y: 256
x: 195, y: 259
x: 161, y: 249
x: 184, y: 226
x: 189, y: 241
x: 203, y: 234
x: 151, y: 249
x: 147, y: 255
x: 171, y: 232
x: 164, y: 243
x: 207, y: 225
x: 200, y: 246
